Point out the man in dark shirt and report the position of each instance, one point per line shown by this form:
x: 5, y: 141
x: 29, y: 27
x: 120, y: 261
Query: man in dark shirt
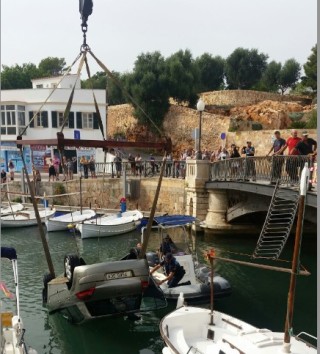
x: 277, y: 147
x: 307, y: 146
x: 167, y: 246
x: 173, y: 269
x: 249, y: 166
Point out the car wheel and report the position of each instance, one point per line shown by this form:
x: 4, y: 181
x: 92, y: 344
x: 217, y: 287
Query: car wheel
x: 46, y: 278
x: 70, y: 262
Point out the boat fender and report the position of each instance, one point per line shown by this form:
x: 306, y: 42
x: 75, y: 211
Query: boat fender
x: 16, y: 322
x: 180, y: 301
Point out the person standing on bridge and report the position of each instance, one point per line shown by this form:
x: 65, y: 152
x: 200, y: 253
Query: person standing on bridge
x: 277, y: 148
x: 249, y: 165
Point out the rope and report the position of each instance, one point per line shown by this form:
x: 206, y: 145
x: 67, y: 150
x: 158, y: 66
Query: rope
x: 117, y: 82
x: 39, y: 110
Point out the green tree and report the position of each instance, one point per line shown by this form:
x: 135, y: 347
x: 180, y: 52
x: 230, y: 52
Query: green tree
x: 289, y: 75
x: 182, y: 76
x: 148, y: 85
x: 18, y: 77
x: 115, y: 94
x: 270, y: 77
x: 211, y: 72
x: 310, y: 69
x: 244, y: 68
x: 51, y: 66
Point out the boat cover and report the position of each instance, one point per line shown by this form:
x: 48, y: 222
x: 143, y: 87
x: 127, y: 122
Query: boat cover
x: 170, y: 220
x: 8, y: 252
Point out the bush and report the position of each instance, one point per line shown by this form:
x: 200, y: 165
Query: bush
x: 17, y: 200
x: 256, y: 126
x: 296, y: 116
x: 298, y: 125
x: 312, y: 120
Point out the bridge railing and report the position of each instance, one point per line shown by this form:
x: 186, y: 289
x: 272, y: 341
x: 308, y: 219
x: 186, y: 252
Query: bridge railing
x: 267, y: 169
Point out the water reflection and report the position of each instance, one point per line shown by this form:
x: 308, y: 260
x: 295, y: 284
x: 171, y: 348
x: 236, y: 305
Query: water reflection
x: 258, y: 296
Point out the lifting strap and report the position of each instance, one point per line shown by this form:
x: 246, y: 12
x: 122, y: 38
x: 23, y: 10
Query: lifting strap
x: 94, y: 99
x: 69, y: 104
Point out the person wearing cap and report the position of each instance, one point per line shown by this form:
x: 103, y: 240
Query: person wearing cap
x: 249, y: 166
x: 174, y: 271
x: 307, y: 147
x: 277, y: 147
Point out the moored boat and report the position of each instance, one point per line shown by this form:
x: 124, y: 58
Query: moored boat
x: 25, y: 218
x: 11, y: 208
x: 110, y: 225
x: 63, y: 222
x: 188, y: 330
x: 12, y: 329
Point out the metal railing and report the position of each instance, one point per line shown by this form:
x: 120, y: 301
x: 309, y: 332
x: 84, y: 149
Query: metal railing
x: 268, y: 169
x: 146, y: 168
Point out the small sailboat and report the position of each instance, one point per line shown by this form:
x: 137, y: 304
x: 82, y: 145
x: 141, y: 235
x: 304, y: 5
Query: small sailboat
x: 63, y: 222
x: 198, y: 330
x: 11, y: 208
x: 12, y: 329
x: 25, y: 218
x: 110, y: 225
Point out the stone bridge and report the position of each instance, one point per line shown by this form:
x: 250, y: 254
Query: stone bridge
x: 224, y: 191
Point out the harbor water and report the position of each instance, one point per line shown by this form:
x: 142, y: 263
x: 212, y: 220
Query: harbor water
x: 259, y: 296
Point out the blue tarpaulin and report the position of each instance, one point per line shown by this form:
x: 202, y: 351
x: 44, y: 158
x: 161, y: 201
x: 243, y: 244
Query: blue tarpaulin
x: 170, y: 220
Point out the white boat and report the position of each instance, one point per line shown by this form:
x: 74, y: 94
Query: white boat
x: 10, y: 209
x: 63, y: 222
x: 198, y: 330
x: 12, y: 329
x: 110, y: 225
x: 26, y: 218
x: 188, y: 330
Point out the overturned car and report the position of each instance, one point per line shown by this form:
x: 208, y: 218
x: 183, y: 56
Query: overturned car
x: 108, y: 289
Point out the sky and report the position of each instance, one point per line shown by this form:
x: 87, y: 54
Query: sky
x: 120, y: 30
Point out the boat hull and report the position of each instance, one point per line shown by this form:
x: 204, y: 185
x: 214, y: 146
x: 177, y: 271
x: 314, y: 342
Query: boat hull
x: 63, y: 222
x: 25, y: 219
x: 94, y: 230
x: 189, y: 328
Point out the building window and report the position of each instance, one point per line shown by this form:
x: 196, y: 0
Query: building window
x: 3, y: 118
x: 11, y: 131
x: 11, y: 118
x: 87, y: 120
x: 39, y: 86
x: 21, y: 119
x: 40, y: 120
x: 60, y: 120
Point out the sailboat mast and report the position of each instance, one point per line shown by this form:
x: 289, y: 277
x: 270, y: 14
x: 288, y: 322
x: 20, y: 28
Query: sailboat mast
x: 296, y: 257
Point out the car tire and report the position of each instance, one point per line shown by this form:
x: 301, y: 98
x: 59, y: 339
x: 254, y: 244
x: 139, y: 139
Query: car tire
x: 46, y: 279
x: 71, y: 261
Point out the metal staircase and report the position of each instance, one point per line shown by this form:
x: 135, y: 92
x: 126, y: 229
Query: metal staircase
x: 278, y: 223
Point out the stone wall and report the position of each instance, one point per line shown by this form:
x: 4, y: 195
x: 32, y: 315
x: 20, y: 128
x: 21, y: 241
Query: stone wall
x: 120, y: 119
x: 246, y: 97
x: 106, y: 194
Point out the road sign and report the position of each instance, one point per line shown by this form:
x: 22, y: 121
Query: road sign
x: 195, y: 134
x: 76, y: 134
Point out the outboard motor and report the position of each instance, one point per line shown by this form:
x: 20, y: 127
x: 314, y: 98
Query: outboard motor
x: 152, y: 258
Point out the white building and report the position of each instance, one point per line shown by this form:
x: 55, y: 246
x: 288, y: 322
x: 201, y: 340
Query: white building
x: 19, y: 106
